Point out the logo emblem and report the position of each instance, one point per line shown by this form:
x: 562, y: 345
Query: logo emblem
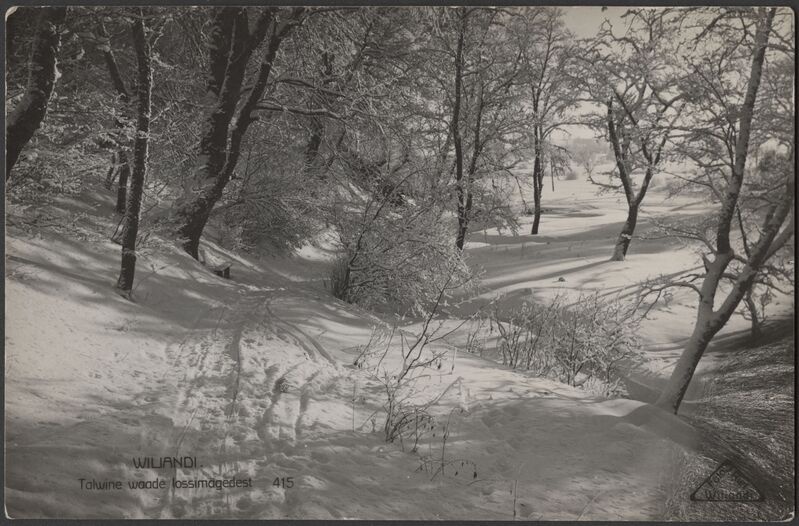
x: 727, y: 484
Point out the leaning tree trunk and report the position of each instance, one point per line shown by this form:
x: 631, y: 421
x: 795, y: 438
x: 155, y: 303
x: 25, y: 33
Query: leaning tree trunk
x: 708, y: 321
x: 626, y: 234
x: 29, y: 113
x: 680, y: 379
x: 133, y: 205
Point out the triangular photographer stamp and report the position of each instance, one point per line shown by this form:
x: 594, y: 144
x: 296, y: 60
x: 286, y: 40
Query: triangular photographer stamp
x: 727, y: 484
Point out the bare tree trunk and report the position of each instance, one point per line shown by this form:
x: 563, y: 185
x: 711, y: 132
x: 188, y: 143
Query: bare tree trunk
x: 465, y: 191
x: 626, y: 234
x: 633, y: 200
x: 195, y: 216
x: 463, y: 220
x: 538, y: 181
x: 671, y: 398
x: 133, y: 206
x: 772, y: 238
x: 537, y: 187
x: 28, y: 114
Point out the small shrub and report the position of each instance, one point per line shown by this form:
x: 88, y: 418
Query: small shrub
x: 437, y: 462
x: 583, y: 344
x: 406, y: 416
x: 476, y: 338
x: 413, y: 357
x: 395, y: 256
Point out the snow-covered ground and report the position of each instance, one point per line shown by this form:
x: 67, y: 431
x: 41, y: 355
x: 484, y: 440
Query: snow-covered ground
x: 255, y: 378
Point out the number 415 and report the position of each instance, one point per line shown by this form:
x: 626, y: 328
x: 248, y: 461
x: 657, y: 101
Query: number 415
x: 284, y: 482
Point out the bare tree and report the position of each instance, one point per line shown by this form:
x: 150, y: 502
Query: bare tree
x: 28, y: 114
x: 718, y: 139
x: 479, y: 91
x: 548, y: 51
x: 634, y: 77
x: 144, y: 80
x: 230, y: 106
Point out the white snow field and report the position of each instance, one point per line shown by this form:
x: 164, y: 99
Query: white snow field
x: 254, y: 378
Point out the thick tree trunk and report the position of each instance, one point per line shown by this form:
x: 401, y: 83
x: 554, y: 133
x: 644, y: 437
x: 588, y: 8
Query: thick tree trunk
x: 229, y: 54
x: 626, y: 234
x: 133, y: 206
x: 710, y: 321
x: 195, y: 216
x: 28, y: 114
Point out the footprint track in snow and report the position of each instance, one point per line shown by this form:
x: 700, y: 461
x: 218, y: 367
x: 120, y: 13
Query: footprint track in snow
x: 238, y: 390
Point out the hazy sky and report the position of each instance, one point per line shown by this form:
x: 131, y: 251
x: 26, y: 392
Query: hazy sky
x: 585, y: 21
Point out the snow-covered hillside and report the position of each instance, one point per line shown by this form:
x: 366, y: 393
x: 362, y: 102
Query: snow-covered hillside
x: 254, y: 378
